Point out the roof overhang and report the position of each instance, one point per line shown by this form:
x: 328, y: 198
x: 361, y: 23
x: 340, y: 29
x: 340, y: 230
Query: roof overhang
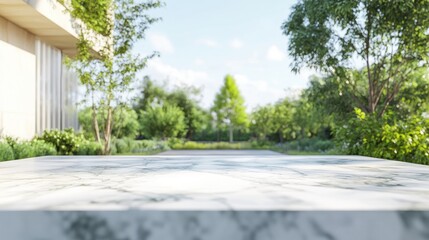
x: 47, y: 19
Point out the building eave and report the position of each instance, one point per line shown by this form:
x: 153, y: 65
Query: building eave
x: 46, y: 19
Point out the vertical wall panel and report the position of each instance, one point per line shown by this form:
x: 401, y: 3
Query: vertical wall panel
x: 56, y: 90
x: 69, y: 98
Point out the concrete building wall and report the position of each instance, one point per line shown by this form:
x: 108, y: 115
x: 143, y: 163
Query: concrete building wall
x: 17, y: 81
x: 36, y: 91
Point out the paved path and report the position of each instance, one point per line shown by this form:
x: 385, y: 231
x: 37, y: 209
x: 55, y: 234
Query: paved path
x: 265, y: 190
x: 219, y: 153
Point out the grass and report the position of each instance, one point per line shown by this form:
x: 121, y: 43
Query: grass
x: 304, y: 153
x: 147, y: 153
x: 190, y: 145
x: 312, y: 147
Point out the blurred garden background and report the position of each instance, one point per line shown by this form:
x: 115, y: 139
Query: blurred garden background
x: 366, y: 87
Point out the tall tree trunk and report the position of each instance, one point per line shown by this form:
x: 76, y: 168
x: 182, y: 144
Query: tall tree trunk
x: 108, y: 131
x: 231, y: 132
x: 95, y: 124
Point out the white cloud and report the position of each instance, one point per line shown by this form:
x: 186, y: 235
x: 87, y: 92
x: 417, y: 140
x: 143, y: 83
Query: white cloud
x: 161, y: 43
x: 274, y: 53
x: 199, y: 62
x: 254, y: 58
x: 173, y: 76
x: 162, y: 71
x: 208, y: 42
x: 257, y: 92
x: 236, y: 43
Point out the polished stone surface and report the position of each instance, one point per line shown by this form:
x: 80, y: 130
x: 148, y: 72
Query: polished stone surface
x: 209, y: 195
x: 204, y: 182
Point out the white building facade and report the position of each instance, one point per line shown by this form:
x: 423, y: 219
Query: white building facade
x: 37, y: 92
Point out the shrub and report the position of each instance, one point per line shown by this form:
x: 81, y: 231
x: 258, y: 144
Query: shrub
x: 125, y: 122
x: 11, y: 141
x: 89, y: 148
x: 143, y: 146
x: 121, y: 146
x: 66, y: 142
x: 113, y: 149
x: 163, y: 122
x: 190, y: 145
x: 125, y: 145
x: 23, y: 150
x: 42, y: 148
x: 308, y: 145
x: 261, y: 144
x: 6, y: 152
x: 404, y: 140
x: 28, y: 149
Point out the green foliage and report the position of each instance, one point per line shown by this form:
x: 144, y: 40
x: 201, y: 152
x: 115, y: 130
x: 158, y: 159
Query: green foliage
x: 329, y: 96
x: 190, y: 145
x: 95, y: 14
x: 308, y: 145
x: 129, y: 146
x: 6, y: 152
x: 89, y: 148
x: 11, y: 141
x: 389, y: 37
x: 211, y: 134
x: 149, y: 146
x: 194, y: 115
x: 42, y: 148
x: 125, y: 122
x: 333, y: 98
x: 229, y: 107
x: 123, y: 145
x: 183, y: 97
x: 262, y: 121
x: 23, y: 150
x: 288, y: 120
x: 308, y: 121
x: 150, y: 94
x: 66, y: 142
x: 404, y: 140
x: 163, y: 122
x: 110, y: 75
x: 282, y: 120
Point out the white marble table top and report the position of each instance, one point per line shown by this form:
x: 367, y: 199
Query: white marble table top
x: 249, y: 181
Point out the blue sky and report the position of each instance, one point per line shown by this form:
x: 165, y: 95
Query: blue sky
x: 202, y: 41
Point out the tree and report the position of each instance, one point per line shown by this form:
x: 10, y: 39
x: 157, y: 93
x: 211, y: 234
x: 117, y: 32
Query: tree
x: 307, y: 121
x: 150, y: 93
x: 125, y: 122
x: 282, y: 119
x: 109, y: 75
x: 229, y: 107
x: 163, y: 122
x: 184, y: 97
x: 389, y: 38
x: 262, y: 122
x: 332, y: 98
x: 328, y: 95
